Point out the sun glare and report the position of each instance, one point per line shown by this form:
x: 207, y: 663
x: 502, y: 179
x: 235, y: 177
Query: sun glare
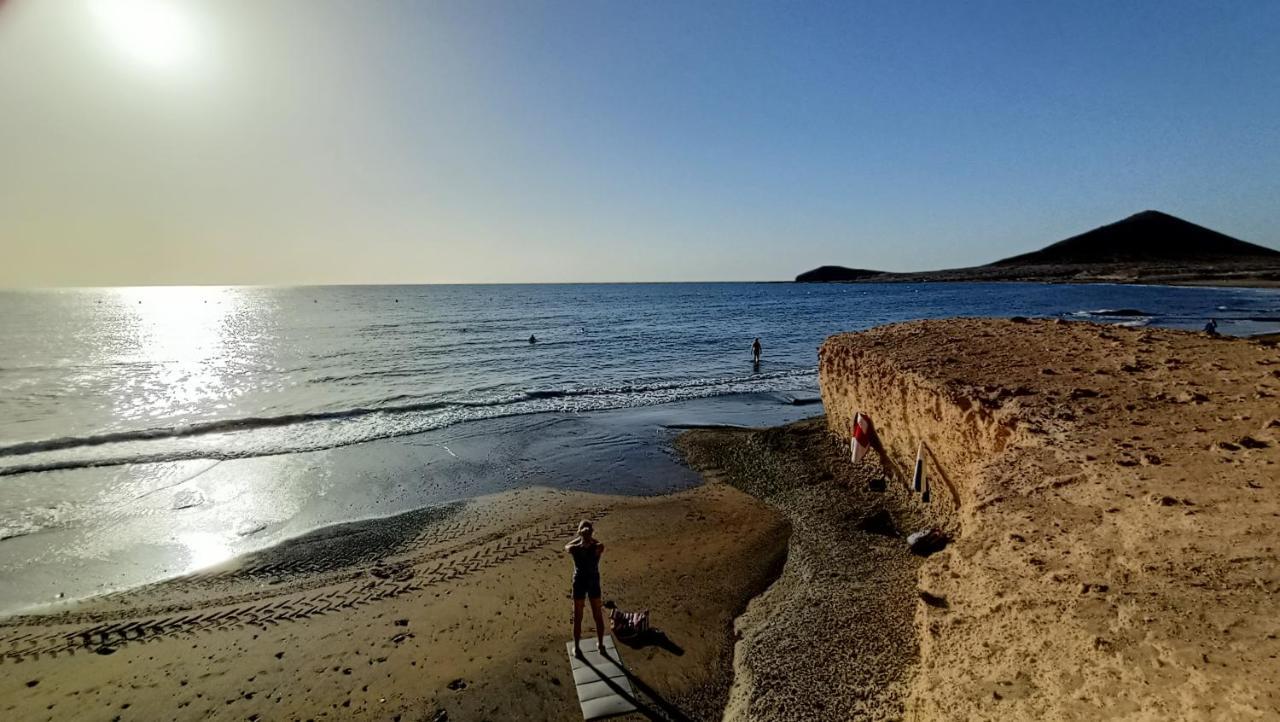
x: 184, y: 334
x: 205, y: 549
x: 156, y: 33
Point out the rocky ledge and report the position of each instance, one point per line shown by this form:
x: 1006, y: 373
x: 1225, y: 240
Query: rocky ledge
x: 1115, y: 499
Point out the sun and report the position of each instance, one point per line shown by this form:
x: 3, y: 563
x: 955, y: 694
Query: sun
x: 156, y: 33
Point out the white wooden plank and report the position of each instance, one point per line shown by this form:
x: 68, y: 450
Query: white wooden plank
x: 598, y: 679
x: 606, y: 707
x: 584, y: 674
x: 602, y: 688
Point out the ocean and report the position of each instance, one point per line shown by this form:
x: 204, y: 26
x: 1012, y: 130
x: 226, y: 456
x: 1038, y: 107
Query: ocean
x: 148, y: 432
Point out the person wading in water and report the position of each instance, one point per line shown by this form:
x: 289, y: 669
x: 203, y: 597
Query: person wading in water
x: 755, y: 352
x: 586, y: 551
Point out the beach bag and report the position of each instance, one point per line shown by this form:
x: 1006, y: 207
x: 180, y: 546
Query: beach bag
x: 628, y: 625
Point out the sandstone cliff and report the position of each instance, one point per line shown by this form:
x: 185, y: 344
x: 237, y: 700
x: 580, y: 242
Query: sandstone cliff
x: 1115, y: 501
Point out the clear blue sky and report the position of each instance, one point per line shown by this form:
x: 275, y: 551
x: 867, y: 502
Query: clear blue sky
x: 295, y: 142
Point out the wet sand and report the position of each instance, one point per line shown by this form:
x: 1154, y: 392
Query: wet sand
x: 457, y: 613
x: 132, y: 525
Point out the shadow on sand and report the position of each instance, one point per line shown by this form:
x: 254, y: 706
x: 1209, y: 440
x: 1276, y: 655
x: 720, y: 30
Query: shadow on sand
x: 648, y: 701
x: 653, y: 638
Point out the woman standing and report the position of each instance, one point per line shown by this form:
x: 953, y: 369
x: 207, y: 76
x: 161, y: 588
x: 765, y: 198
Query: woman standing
x: 586, y: 551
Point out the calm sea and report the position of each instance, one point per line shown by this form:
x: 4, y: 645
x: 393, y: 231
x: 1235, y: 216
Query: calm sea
x: 115, y: 403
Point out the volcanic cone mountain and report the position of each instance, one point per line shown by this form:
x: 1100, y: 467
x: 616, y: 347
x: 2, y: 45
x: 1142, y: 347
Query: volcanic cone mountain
x: 1147, y: 247
x: 1146, y: 237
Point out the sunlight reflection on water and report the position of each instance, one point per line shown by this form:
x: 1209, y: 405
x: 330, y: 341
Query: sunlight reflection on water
x: 206, y: 549
x: 183, y: 335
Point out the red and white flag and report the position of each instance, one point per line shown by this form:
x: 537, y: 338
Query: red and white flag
x: 860, y: 437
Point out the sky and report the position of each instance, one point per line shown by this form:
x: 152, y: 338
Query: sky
x: 311, y: 141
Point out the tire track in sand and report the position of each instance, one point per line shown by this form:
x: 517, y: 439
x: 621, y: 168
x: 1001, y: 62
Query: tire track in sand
x: 26, y: 638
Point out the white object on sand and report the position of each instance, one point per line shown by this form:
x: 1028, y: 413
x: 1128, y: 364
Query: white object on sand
x: 601, y: 681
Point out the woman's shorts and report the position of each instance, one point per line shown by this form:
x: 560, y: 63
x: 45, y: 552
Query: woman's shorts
x: 586, y: 586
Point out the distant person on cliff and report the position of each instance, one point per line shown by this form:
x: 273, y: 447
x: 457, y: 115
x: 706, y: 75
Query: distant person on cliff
x: 755, y: 351
x: 1211, y: 328
x: 586, y: 551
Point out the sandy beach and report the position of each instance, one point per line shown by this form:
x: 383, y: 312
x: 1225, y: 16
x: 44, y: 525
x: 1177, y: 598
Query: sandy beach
x: 460, y: 612
x: 454, y: 614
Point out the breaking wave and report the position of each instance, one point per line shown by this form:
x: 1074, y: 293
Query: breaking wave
x: 251, y: 436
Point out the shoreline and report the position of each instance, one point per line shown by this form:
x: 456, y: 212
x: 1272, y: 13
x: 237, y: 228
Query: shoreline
x: 1224, y: 283
x: 166, y: 521
x: 441, y: 614
x: 732, y: 570
x: 1247, y: 276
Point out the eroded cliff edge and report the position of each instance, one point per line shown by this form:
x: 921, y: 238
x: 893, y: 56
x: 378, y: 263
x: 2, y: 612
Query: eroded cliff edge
x: 1115, y: 500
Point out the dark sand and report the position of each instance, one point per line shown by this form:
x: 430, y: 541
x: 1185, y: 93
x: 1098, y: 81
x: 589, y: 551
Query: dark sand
x: 834, y: 637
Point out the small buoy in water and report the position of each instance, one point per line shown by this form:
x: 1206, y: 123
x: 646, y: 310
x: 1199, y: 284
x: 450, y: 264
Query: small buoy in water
x: 533, y: 339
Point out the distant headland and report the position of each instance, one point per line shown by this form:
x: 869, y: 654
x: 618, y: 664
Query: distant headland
x: 826, y: 274
x: 1147, y: 247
